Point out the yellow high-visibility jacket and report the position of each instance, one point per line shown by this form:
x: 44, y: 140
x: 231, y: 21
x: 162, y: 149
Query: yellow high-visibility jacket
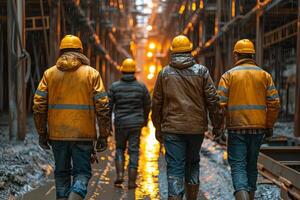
x: 72, y: 95
x: 249, y: 96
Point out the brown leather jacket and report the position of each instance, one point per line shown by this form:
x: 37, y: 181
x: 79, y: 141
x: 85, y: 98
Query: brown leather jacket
x: 183, y: 93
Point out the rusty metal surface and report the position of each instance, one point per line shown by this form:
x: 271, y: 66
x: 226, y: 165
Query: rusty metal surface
x: 283, y: 176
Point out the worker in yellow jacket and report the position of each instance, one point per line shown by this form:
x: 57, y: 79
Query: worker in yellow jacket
x: 69, y: 100
x: 251, y: 101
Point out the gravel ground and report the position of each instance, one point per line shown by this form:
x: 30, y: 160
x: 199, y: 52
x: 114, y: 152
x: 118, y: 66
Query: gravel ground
x: 23, y: 165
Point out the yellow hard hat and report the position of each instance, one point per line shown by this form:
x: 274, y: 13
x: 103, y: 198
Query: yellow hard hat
x: 244, y: 46
x: 71, y: 42
x: 181, y: 44
x: 128, y: 65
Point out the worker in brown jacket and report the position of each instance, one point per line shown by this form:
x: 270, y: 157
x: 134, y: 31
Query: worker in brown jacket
x: 69, y: 99
x: 183, y: 95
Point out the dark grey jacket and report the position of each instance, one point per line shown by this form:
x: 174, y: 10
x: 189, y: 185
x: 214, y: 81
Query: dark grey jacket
x: 130, y: 101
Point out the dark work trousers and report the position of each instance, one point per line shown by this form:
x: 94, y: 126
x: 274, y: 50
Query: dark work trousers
x: 72, y: 159
x: 132, y: 137
x: 243, y: 150
x: 182, y: 157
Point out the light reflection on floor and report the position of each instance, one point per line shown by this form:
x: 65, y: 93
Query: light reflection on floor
x: 148, y: 165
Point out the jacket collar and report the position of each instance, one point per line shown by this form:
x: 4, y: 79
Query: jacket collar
x: 182, y: 60
x: 128, y: 77
x: 246, y: 61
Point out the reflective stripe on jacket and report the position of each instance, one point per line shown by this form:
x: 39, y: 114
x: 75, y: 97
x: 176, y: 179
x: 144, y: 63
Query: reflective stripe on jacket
x: 250, y: 97
x: 72, y: 95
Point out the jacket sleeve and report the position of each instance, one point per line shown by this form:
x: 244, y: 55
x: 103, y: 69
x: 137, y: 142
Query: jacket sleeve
x: 146, y: 104
x: 211, y: 99
x: 272, y: 102
x: 40, y: 107
x: 223, y: 91
x: 101, y: 104
x: 157, y: 103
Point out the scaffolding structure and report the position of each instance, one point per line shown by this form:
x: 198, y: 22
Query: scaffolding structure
x: 30, y: 32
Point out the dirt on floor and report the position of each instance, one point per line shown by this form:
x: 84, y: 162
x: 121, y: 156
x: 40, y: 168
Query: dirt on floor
x: 23, y: 165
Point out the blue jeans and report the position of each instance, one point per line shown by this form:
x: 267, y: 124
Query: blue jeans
x: 243, y: 150
x: 182, y: 157
x: 132, y: 136
x: 72, y: 159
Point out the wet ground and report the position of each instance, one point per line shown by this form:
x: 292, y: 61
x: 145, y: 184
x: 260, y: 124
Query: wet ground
x: 30, y: 167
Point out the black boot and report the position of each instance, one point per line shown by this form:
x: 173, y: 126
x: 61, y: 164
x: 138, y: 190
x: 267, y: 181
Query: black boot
x: 242, y: 195
x: 191, y: 191
x: 132, y: 174
x: 120, y: 172
x: 74, y: 196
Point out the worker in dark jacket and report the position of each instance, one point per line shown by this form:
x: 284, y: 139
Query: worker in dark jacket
x: 183, y: 93
x: 130, y: 102
x: 251, y: 100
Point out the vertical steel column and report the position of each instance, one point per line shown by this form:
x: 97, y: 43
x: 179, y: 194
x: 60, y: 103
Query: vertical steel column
x: 230, y: 39
x: 259, y: 35
x: 55, y: 30
x: 297, y: 101
x: 218, y: 51
x: 202, y: 31
x: 16, y: 70
x: 1, y: 68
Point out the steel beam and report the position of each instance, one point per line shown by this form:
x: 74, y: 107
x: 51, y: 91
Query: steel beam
x: 16, y: 69
x: 297, y: 100
x: 1, y: 68
x: 259, y: 35
x: 55, y: 30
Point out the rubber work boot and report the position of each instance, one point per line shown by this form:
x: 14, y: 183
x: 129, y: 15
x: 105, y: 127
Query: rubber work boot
x: 251, y: 195
x: 242, y: 195
x: 191, y: 191
x: 74, y: 196
x: 120, y: 172
x: 132, y: 174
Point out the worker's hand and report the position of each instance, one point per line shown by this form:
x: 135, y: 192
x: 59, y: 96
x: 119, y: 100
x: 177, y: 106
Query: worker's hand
x: 218, y: 133
x: 101, y: 144
x: 268, y: 135
x: 158, y: 136
x: 268, y: 132
x: 43, y: 142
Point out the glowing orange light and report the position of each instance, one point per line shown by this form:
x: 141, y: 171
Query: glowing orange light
x: 149, y: 28
x: 152, y: 69
x: 149, y: 54
x: 150, y: 76
x: 152, y: 45
x: 194, y: 6
x: 182, y: 9
x: 201, y: 4
x: 233, y: 8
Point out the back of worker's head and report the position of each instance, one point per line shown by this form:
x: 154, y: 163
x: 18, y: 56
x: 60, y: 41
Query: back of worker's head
x: 244, y: 49
x: 181, y: 44
x: 70, y: 43
x: 128, y: 66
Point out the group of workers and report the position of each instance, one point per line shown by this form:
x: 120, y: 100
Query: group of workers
x: 71, y: 99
